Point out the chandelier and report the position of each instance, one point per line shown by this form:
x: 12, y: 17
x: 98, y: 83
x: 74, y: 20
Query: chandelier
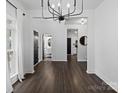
x: 57, y: 11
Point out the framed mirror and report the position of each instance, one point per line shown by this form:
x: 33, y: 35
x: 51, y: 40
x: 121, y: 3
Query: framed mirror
x: 83, y: 40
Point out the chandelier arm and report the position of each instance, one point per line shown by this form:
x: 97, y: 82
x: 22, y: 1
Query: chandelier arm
x: 46, y: 17
x: 55, y: 10
x: 55, y: 19
x: 71, y: 12
x: 52, y: 12
x: 52, y: 8
x: 75, y: 3
x: 80, y: 12
x: 43, y: 12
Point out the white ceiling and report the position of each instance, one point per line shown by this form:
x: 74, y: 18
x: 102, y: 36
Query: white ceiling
x: 35, y: 4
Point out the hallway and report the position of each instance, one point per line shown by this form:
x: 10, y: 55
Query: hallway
x: 62, y: 77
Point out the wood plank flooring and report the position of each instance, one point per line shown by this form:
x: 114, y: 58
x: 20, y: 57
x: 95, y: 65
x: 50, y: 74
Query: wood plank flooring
x: 62, y: 77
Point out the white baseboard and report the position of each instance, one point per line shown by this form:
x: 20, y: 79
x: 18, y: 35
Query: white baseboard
x: 56, y: 60
x: 107, y: 81
x: 83, y: 60
x: 33, y: 72
x: 37, y: 63
x: 60, y: 60
x: 29, y: 72
x: 90, y: 72
x: 14, y: 78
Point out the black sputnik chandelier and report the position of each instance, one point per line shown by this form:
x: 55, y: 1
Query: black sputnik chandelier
x: 57, y: 11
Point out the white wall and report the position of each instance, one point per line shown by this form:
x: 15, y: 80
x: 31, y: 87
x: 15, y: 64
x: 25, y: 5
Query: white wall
x: 90, y: 46
x: 28, y: 44
x: 106, y: 42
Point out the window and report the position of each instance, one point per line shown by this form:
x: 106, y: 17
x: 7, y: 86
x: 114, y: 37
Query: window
x: 11, y: 45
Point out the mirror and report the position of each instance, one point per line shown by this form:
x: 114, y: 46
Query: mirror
x: 83, y: 40
x: 49, y: 42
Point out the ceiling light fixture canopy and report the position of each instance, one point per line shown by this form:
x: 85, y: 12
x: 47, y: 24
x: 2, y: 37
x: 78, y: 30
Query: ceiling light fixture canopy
x: 57, y: 13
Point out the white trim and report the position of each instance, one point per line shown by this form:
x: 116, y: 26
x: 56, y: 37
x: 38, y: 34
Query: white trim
x: 107, y: 81
x: 90, y: 72
x: 60, y: 60
x: 55, y: 61
x: 82, y: 60
x: 37, y: 63
x: 14, y: 78
x: 31, y: 72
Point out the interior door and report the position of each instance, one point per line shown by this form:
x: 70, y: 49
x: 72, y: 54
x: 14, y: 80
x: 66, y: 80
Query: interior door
x: 68, y: 45
x: 35, y: 47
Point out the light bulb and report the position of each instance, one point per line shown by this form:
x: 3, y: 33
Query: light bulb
x: 53, y: 6
x: 75, y: 32
x: 59, y: 4
x: 68, y: 5
x: 83, y: 21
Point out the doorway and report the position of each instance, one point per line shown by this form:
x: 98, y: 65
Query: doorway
x: 47, y: 47
x: 72, y: 44
x: 68, y: 46
x: 36, y: 47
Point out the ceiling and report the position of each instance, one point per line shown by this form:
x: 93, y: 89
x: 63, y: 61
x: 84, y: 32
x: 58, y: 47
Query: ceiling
x: 35, y: 4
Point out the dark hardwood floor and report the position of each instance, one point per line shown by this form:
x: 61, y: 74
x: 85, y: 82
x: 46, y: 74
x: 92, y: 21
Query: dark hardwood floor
x: 62, y: 77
